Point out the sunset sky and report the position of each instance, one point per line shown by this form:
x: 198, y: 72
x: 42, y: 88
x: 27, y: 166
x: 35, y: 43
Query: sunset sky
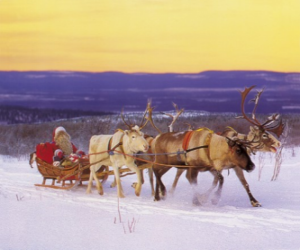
x: 184, y: 36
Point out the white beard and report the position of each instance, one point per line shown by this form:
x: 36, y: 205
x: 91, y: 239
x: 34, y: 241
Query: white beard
x: 64, y: 143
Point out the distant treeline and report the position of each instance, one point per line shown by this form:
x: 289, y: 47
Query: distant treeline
x: 19, y: 140
x: 18, y: 115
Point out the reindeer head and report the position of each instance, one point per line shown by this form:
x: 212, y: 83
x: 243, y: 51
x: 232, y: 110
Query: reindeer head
x: 136, y: 141
x: 135, y: 137
x: 262, y: 140
x: 260, y: 134
x: 238, y: 153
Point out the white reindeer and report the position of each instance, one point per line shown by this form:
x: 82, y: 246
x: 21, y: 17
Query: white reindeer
x: 126, y: 142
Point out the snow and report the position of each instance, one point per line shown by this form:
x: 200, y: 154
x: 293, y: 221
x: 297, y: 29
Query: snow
x: 41, y: 218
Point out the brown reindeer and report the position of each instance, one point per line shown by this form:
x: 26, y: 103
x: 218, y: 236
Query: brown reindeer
x: 261, y: 140
x: 221, y: 153
x: 149, y: 156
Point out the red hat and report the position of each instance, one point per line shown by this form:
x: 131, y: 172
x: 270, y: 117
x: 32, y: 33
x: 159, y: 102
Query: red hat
x: 57, y: 130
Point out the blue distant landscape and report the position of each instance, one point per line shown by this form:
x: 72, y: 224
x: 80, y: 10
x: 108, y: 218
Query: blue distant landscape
x: 210, y: 91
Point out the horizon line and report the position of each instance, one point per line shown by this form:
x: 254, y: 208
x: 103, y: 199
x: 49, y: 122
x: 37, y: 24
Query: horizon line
x: 156, y: 73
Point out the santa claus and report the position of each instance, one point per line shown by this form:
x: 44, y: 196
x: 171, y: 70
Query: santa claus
x: 60, y: 151
x: 62, y: 146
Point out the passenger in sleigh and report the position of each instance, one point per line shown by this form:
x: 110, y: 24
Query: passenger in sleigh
x: 61, y: 151
x: 65, y: 152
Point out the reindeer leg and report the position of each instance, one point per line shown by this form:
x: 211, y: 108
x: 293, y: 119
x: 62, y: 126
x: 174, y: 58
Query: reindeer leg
x: 98, y: 184
x: 159, y: 172
x: 114, y: 183
x: 90, y: 183
x: 191, y: 175
x: 156, y: 195
x: 240, y: 175
x: 218, y: 178
x: 118, y: 181
x: 134, y: 184
x: 178, y: 174
x: 150, y: 173
x: 138, y: 186
x: 102, y: 169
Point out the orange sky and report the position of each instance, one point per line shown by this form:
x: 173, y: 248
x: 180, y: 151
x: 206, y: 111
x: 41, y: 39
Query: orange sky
x: 150, y: 35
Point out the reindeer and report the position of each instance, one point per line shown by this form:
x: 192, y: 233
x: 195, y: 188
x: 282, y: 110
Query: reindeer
x: 260, y: 137
x: 151, y: 140
x: 221, y: 153
x: 130, y: 142
x: 148, y: 158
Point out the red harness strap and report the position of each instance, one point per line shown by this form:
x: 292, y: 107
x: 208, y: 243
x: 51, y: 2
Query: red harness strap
x: 186, y: 140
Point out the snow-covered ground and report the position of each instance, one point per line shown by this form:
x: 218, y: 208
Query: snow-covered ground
x: 39, y: 218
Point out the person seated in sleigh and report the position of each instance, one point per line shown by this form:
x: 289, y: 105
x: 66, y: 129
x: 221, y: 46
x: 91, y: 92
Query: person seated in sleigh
x: 61, y: 151
x: 65, y: 152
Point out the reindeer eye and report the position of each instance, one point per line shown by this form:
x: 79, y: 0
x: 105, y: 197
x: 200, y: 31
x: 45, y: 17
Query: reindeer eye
x: 265, y: 136
x: 133, y: 137
x: 238, y: 151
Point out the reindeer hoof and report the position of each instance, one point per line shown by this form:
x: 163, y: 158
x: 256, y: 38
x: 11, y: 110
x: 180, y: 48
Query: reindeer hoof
x: 215, y: 200
x: 196, y: 202
x: 138, y: 189
x: 156, y: 198
x: 255, y: 204
x: 134, y: 184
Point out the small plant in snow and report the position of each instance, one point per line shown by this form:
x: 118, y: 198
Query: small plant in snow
x: 130, y: 224
x: 261, y: 164
x: 293, y: 152
x: 279, y: 154
x: 19, y: 198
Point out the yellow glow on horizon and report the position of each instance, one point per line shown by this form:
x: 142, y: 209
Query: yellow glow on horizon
x: 150, y: 35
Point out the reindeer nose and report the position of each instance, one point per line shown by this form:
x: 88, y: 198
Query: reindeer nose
x: 250, y: 167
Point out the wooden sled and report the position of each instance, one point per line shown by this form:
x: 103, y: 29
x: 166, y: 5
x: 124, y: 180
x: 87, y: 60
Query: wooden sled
x: 75, y: 174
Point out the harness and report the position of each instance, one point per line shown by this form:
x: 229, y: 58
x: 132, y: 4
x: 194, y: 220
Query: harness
x: 187, y: 138
x: 120, y: 145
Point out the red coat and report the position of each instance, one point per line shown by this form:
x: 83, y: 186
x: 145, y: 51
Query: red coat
x: 45, y: 151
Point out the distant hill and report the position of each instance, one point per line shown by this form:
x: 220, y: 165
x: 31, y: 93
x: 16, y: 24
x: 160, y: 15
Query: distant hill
x: 21, y: 115
x: 211, y: 91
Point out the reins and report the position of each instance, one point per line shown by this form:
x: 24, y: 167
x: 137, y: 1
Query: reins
x: 112, y: 152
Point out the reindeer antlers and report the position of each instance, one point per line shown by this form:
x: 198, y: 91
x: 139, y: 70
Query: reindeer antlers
x: 128, y: 125
x: 174, y: 118
x: 150, y: 109
x: 277, y: 128
x: 143, y: 123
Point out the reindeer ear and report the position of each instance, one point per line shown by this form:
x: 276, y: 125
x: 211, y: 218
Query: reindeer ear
x: 126, y: 132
